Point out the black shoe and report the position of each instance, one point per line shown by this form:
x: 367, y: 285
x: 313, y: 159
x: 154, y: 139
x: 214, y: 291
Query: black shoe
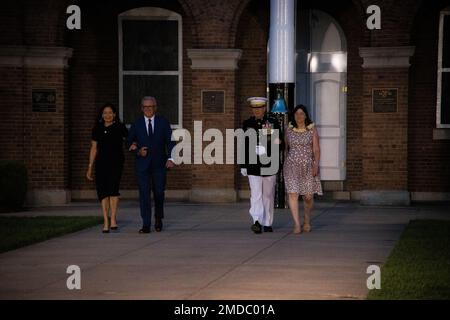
x: 256, y: 227
x: 105, y: 231
x: 158, y: 225
x: 268, y: 229
x: 115, y: 228
x: 145, y: 230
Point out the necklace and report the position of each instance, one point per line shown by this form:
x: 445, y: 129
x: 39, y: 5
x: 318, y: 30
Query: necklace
x: 300, y: 130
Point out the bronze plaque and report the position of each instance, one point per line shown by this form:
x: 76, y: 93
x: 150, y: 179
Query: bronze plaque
x: 213, y: 101
x: 44, y: 100
x: 384, y: 100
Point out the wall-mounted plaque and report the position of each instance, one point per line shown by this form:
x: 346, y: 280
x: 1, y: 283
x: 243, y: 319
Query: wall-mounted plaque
x: 384, y: 100
x: 213, y: 101
x: 44, y: 100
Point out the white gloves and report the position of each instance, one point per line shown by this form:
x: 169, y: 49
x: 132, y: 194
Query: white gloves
x: 244, y: 172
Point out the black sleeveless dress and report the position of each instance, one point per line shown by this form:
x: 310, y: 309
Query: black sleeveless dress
x: 110, y: 158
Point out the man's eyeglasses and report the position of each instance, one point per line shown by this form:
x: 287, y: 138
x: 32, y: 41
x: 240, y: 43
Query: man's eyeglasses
x: 148, y: 107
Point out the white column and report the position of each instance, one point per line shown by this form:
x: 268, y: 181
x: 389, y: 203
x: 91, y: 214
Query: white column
x: 282, y: 41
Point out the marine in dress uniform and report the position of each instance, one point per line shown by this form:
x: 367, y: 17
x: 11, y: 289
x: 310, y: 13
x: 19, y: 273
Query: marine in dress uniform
x: 262, y: 185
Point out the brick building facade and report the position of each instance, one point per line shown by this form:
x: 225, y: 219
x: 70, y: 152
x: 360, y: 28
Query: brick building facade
x: 388, y: 157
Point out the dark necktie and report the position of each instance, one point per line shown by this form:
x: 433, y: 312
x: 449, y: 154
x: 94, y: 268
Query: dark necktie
x: 150, y: 129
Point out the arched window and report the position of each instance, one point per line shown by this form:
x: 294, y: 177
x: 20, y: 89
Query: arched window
x: 150, y: 62
x: 443, y: 85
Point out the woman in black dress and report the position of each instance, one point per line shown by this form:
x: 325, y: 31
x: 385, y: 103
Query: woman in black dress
x: 106, y: 152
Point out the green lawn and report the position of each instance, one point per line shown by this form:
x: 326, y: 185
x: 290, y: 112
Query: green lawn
x: 16, y: 232
x: 419, y: 265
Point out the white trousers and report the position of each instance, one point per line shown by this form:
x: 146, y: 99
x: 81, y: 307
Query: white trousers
x: 262, y: 198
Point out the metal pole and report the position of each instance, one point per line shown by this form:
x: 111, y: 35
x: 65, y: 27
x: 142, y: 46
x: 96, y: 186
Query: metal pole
x: 281, y: 72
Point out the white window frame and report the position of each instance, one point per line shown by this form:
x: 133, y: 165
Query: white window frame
x: 152, y: 13
x: 445, y: 12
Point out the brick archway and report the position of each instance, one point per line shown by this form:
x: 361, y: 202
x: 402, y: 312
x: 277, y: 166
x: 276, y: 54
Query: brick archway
x: 235, y: 22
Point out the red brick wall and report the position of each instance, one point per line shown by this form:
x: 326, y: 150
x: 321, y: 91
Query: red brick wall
x: 46, y: 132
x: 213, y: 20
x: 11, y: 23
x: 428, y: 168
x: 44, y: 22
x: 384, y: 149
x: 180, y: 176
x: 12, y: 113
x: 215, y: 176
x: 395, y: 22
x: 36, y: 138
x: 39, y: 139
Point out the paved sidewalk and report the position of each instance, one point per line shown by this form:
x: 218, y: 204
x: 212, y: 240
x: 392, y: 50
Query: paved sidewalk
x: 209, y: 252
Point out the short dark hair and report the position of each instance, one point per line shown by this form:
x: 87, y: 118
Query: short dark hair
x: 100, y: 112
x: 292, y: 115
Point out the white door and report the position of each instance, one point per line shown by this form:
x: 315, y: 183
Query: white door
x: 321, y: 86
x: 328, y: 100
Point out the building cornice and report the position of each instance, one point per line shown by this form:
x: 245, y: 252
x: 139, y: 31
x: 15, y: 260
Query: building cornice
x: 44, y: 57
x: 218, y: 59
x: 386, y: 57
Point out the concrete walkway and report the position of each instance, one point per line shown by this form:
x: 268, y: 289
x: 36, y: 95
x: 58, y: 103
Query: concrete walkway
x: 209, y: 252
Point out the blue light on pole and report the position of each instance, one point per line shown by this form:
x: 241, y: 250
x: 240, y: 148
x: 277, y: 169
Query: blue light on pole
x: 279, y: 105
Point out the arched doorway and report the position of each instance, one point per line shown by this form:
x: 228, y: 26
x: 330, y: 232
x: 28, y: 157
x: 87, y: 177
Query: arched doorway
x: 321, y: 78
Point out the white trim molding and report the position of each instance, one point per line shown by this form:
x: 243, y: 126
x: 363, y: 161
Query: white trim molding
x: 217, y: 59
x: 213, y: 195
x: 193, y: 195
x: 170, y: 195
x: 441, y: 134
x: 386, y: 57
x: 440, y: 70
x: 385, y: 198
x: 430, y: 196
x: 44, y: 57
x: 47, y: 197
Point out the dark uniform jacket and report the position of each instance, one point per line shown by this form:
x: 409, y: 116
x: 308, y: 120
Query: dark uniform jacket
x: 264, y: 126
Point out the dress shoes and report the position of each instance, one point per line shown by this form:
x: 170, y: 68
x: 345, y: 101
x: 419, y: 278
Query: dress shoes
x: 158, y: 225
x: 268, y: 229
x: 145, y: 230
x: 256, y: 227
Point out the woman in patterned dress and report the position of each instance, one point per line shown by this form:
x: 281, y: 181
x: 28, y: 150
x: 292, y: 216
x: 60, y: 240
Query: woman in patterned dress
x: 301, y: 168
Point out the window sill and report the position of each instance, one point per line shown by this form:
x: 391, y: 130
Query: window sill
x: 441, y: 134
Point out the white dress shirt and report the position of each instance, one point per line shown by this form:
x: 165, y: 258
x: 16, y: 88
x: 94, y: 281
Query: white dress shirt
x: 153, y: 123
x: 153, y: 128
